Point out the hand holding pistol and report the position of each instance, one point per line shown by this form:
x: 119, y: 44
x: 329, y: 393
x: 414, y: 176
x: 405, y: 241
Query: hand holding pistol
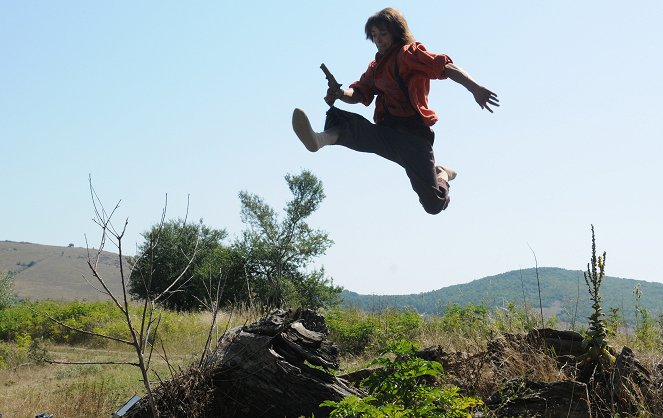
x: 334, y: 90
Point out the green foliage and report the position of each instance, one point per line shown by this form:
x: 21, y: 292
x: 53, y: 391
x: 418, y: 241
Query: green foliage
x: 401, y: 324
x: 647, y: 333
x: 468, y: 317
x: 276, y: 252
x: 171, y: 256
x: 559, y: 288
x: 222, y: 269
x: 7, y: 295
x: 265, y: 267
x: 355, y: 331
x: 402, y: 387
x: 37, y: 351
x: 15, y: 353
x: 614, y: 321
x: 513, y: 318
x: 462, y: 326
x: 34, y: 319
x: 352, y: 329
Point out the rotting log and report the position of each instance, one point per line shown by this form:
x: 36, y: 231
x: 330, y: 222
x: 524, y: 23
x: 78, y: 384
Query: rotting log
x: 276, y: 367
x: 562, y: 343
x: 523, y: 398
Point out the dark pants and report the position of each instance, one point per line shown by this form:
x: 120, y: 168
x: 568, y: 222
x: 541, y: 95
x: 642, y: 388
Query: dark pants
x: 408, y: 145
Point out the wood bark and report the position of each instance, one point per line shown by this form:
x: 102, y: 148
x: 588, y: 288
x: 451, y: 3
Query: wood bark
x: 523, y: 398
x: 276, y: 367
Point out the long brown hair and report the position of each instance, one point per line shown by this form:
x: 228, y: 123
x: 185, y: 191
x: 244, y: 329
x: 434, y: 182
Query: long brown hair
x: 393, y: 21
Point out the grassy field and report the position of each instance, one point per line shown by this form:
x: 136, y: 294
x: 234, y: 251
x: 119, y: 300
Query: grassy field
x: 97, y: 390
x: 29, y: 386
x: 71, y: 390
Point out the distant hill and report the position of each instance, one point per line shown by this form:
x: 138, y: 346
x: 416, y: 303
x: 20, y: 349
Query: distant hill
x: 52, y: 272
x: 559, y: 293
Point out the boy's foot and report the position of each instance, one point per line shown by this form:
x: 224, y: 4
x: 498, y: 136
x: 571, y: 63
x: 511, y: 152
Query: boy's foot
x: 445, y: 173
x: 313, y: 141
x: 444, y: 176
x: 444, y: 187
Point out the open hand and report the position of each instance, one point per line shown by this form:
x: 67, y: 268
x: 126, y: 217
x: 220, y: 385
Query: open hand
x: 484, y: 97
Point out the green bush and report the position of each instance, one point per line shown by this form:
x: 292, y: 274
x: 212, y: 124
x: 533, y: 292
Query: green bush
x: 15, y: 353
x: 351, y: 329
x: 514, y: 319
x: 401, y: 325
x: 34, y: 318
x: 401, y: 387
x: 471, y: 317
x: 355, y: 331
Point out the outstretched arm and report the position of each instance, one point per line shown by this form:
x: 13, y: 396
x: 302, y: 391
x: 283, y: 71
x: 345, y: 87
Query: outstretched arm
x: 482, y: 95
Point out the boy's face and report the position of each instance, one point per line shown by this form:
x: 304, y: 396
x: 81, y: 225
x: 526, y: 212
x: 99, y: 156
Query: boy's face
x: 382, y: 39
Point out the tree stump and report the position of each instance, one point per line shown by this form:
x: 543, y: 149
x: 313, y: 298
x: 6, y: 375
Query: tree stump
x: 275, y: 367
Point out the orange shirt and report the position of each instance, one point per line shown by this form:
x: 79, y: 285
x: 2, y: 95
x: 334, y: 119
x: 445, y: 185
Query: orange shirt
x: 416, y: 67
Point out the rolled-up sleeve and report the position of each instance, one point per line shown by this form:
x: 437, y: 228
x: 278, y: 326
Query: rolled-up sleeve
x: 415, y: 59
x: 366, y: 85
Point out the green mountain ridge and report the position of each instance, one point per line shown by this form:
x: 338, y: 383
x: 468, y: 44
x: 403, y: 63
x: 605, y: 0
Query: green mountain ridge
x: 561, y: 291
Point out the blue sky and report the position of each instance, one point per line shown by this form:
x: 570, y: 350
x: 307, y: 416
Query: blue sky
x: 195, y: 99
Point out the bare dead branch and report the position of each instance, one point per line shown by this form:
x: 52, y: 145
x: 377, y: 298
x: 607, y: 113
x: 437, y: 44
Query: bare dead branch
x: 95, y: 334
x: 126, y: 363
x: 93, y: 286
x: 147, y: 339
x: 186, y: 268
x: 214, y: 307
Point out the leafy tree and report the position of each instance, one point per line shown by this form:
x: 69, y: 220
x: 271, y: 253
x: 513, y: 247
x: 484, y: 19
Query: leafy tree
x: 173, y: 253
x: 222, y: 270
x: 276, y: 251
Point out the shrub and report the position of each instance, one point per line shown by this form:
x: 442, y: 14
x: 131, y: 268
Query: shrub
x: 400, y: 387
x: 401, y: 325
x: 351, y: 329
x: 514, y: 318
x: 15, y: 353
x: 356, y: 331
x: 34, y: 318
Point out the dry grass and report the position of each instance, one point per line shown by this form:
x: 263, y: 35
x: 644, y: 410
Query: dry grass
x: 96, y: 390
x: 480, y: 369
x: 69, y: 390
x: 52, y: 272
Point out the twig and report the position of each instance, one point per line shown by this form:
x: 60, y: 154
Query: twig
x: 95, y: 334
x: 538, y: 285
x: 126, y: 363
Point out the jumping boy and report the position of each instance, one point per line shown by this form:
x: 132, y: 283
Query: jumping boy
x: 399, y: 77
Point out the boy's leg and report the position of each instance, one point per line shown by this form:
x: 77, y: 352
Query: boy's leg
x: 412, y: 152
x: 419, y: 163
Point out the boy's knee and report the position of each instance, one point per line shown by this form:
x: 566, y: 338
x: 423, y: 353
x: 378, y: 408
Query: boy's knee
x: 436, y: 206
